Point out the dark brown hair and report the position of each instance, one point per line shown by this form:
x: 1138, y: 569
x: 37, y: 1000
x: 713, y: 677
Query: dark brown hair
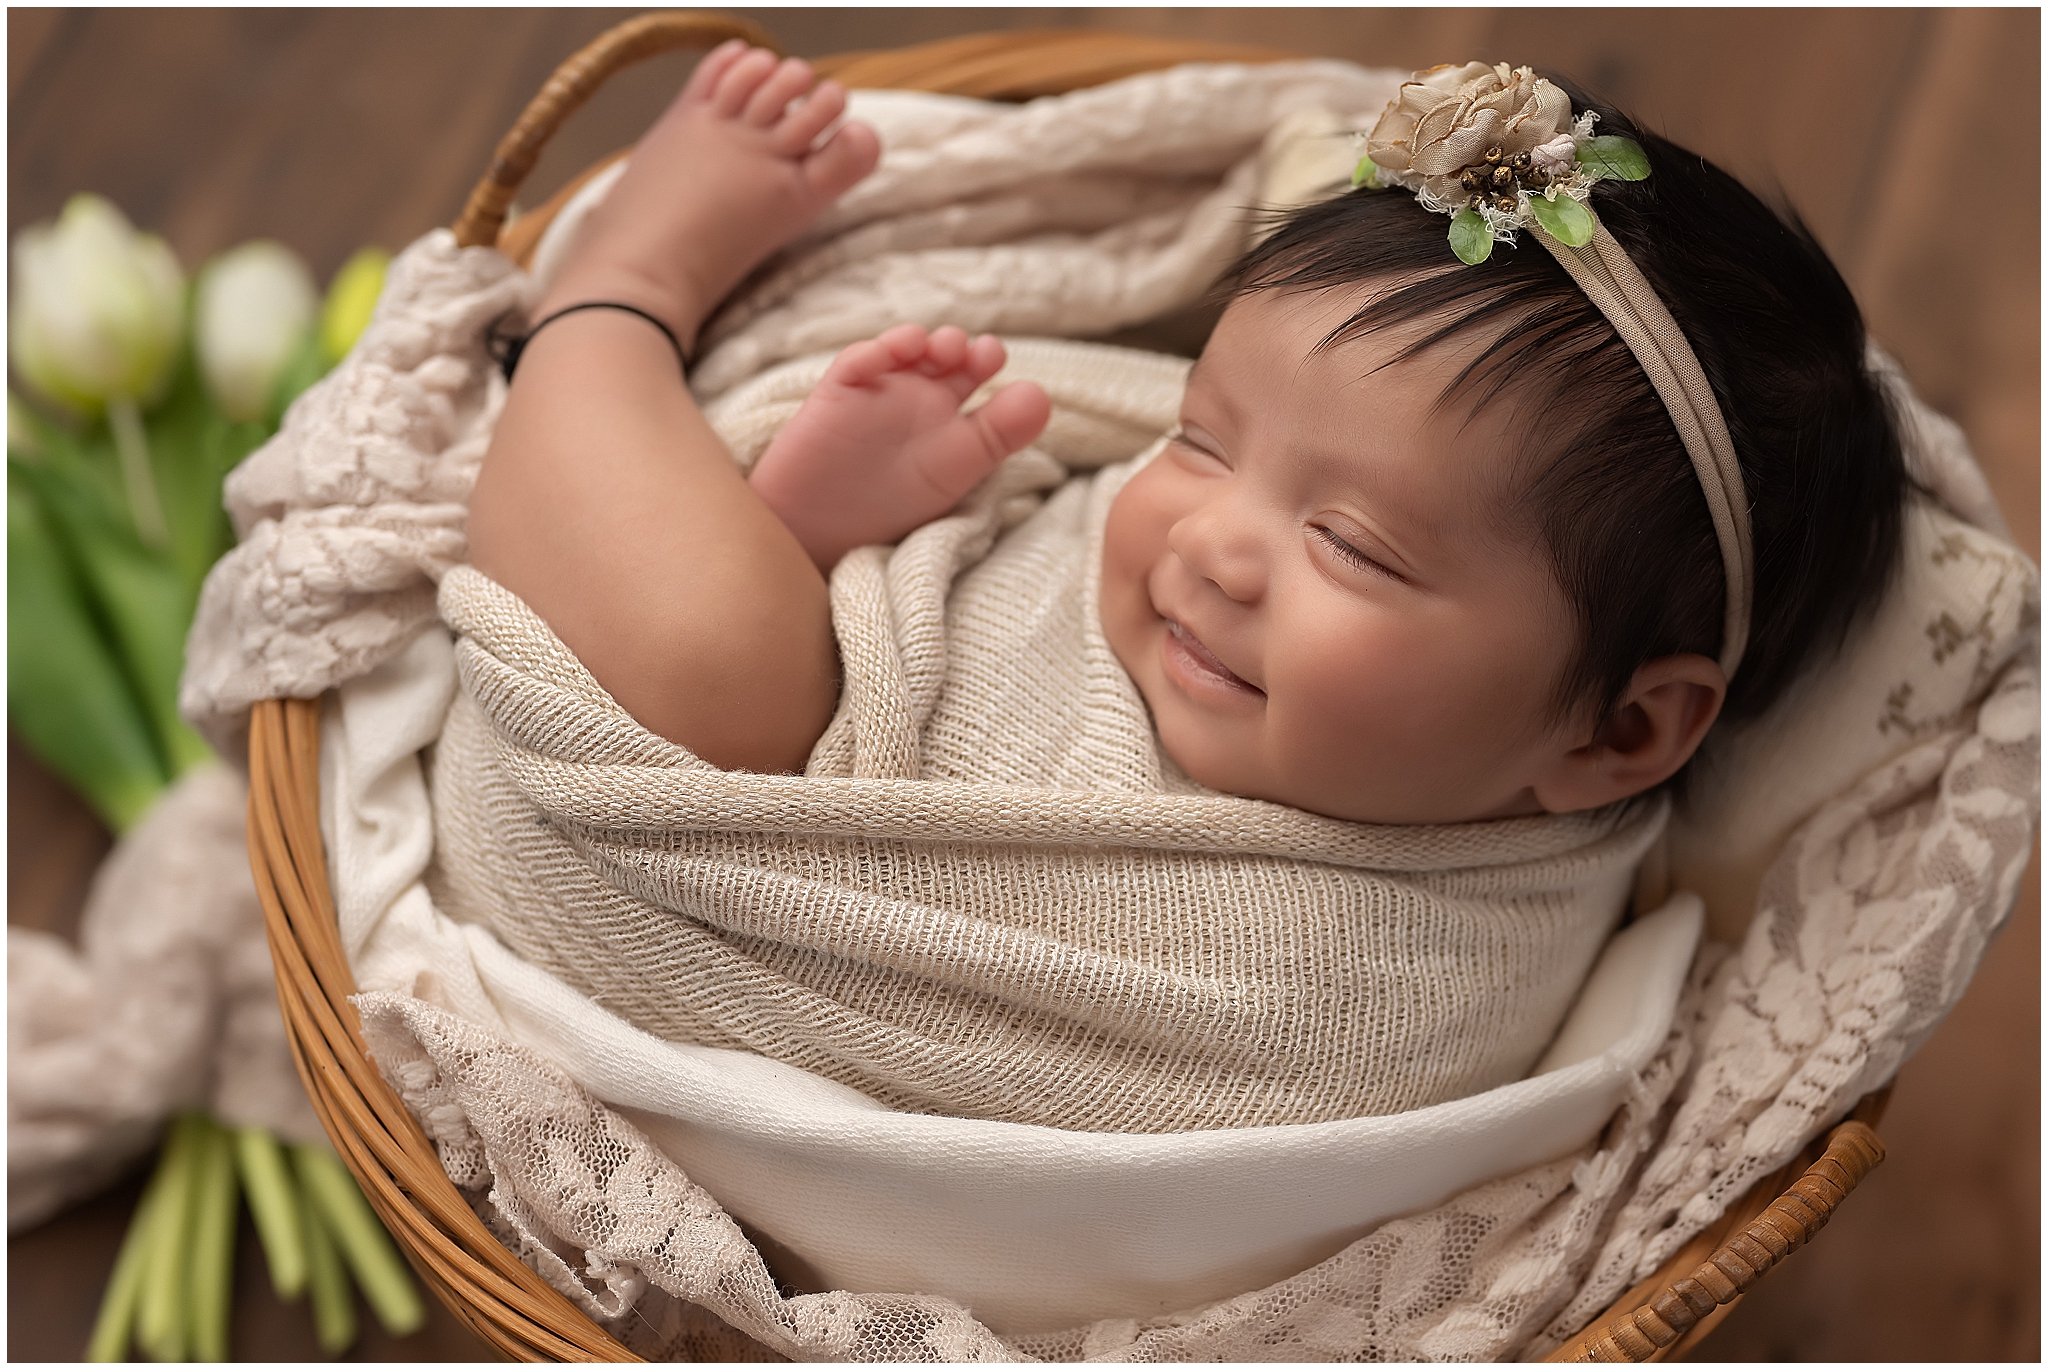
x: 1605, y: 481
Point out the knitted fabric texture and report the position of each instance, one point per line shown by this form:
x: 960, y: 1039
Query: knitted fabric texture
x: 1089, y: 213
x: 991, y: 896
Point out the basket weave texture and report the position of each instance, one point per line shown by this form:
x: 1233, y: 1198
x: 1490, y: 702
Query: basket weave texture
x: 490, y: 1289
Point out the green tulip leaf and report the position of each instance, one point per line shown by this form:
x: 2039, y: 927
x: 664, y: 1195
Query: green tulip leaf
x: 307, y: 365
x: 137, y: 595
x: 1366, y: 175
x: 68, y: 697
x: 1471, y: 239
x: 1564, y: 219
x: 1613, y: 158
x: 192, y: 446
x: 25, y: 430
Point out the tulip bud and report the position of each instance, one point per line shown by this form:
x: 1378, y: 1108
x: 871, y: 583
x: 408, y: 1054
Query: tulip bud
x: 351, y: 298
x: 255, y: 305
x: 98, y: 309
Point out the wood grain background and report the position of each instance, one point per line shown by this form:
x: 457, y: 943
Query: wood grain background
x: 1908, y: 139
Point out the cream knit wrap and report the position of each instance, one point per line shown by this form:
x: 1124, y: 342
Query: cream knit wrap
x: 991, y: 895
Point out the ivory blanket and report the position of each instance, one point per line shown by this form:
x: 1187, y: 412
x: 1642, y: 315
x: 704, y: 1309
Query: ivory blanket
x: 992, y: 895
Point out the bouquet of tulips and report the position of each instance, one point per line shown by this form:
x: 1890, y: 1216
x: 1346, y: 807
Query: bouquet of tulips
x: 144, y: 390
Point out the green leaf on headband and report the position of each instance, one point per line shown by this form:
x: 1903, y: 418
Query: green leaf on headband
x: 1613, y: 158
x: 1365, y: 176
x: 1471, y: 239
x: 1564, y: 219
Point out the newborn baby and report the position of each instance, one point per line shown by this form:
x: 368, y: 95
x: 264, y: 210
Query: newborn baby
x: 1426, y: 549
x: 1314, y: 588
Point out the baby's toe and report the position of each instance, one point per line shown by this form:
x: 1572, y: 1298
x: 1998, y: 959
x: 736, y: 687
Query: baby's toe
x: 985, y: 356
x: 907, y: 343
x: 846, y: 157
x: 703, y: 82
x: 738, y: 82
x: 809, y: 117
x: 791, y: 78
x: 982, y: 359
x: 1013, y: 417
x: 947, y: 350
x: 861, y: 363
x: 864, y: 363
x: 967, y: 450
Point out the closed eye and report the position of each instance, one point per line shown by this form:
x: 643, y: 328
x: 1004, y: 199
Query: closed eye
x: 1347, y: 553
x: 1196, y: 447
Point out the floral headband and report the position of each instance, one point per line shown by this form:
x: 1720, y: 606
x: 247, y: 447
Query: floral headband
x: 1498, y: 149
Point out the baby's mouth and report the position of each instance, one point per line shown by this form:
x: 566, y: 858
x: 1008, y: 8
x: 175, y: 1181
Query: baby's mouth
x: 1202, y: 662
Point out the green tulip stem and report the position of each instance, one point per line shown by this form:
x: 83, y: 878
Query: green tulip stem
x: 115, y: 1325
x: 379, y: 1270
x: 210, y: 1279
x: 136, y: 473
x: 160, y: 1320
x: 334, y: 1302
x: 274, y: 1203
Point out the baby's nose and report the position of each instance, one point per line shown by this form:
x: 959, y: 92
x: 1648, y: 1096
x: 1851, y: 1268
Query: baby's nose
x: 1220, y: 544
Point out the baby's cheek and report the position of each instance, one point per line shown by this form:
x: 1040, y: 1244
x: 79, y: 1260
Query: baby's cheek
x: 1357, y: 703
x: 1133, y: 534
x: 1143, y: 512
x: 1124, y: 567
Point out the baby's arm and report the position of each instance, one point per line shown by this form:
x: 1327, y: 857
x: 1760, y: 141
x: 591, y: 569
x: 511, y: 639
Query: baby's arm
x: 606, y: 502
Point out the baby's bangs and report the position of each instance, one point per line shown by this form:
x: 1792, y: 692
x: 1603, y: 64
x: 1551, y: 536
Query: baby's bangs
x: 1545, y: 338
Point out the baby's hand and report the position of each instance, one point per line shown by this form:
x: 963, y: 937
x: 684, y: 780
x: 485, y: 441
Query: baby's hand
x: 881, y: 448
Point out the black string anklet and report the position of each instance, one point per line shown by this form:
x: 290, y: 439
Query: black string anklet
x: 506, y: 348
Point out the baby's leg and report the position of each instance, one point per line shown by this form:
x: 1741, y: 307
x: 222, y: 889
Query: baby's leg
x: 881, y: 446
x: 606, y: 501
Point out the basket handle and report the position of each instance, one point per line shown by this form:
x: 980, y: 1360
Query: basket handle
x: 573, y: 83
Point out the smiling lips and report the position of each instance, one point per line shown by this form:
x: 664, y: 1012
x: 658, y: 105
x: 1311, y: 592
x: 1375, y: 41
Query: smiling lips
x: 1199, y: 661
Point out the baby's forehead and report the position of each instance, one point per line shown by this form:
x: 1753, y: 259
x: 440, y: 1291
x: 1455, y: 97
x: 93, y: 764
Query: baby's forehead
x: 1377, y: 321
x: 1364, y: 407
x: 1273, y: 346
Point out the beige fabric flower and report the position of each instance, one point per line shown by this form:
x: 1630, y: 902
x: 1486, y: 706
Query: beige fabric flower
x: 1445, y: 119
x: 1558, y: 156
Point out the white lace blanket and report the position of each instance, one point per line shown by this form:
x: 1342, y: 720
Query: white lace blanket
x: 1866, y: 928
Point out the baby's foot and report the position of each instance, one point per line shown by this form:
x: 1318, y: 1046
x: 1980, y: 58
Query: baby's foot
x: 881, y: 447
x: 730, y: 173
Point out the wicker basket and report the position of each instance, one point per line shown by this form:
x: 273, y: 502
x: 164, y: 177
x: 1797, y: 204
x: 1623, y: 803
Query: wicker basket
x: 491, y: 1290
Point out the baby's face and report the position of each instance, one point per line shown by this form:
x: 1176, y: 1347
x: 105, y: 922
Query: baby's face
x: 1317, y: 591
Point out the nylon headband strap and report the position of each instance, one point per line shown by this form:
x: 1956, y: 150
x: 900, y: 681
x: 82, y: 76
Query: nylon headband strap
x: 1612, y: 282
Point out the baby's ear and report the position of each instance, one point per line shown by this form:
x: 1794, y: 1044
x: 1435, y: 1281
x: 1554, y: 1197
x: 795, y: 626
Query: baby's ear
x: 1654, y: 729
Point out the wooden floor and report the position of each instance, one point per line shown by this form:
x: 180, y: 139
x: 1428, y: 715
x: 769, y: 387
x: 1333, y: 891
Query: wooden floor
x: 1909, y: 140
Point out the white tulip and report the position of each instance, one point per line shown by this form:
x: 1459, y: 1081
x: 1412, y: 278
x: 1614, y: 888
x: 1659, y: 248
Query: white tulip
x: 255, y: 305
x: 98, y: 309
